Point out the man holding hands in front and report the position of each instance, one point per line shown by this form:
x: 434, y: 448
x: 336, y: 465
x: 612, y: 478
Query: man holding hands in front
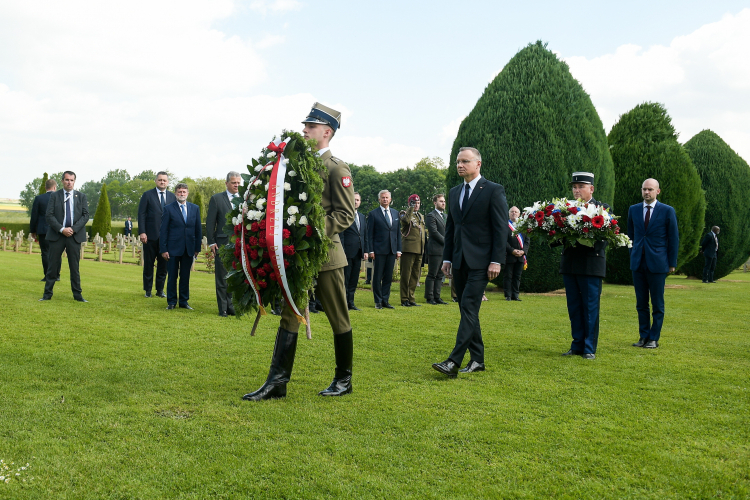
x: 217, y: 235
x: 475, y: 237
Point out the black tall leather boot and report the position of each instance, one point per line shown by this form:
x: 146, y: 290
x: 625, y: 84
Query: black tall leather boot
x: 281, y: 368
x: 342, y: 381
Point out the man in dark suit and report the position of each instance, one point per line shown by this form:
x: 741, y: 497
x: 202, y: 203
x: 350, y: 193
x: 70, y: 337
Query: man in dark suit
x: 217, y: 235
x: 150, y: 211
x: 709, y: 249
x: 653, y: 228
x: 179, y: 243
x: 128, y: 227
x: 353, y: 241
x: 67, y: 214
x: 384, y: 246
x: 38, y: 225
x: 515, y: 257
x: 435, y: 223
x: 475, y: 235
x: 583, y: 268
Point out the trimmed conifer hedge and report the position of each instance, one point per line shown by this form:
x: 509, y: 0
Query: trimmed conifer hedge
x: 534, y: 126
x: 644, y: 145
x: 725, y: 177
x: 103, y: 217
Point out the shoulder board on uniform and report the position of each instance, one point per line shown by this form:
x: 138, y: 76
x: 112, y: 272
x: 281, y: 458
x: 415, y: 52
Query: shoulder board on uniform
x: 336, y: 160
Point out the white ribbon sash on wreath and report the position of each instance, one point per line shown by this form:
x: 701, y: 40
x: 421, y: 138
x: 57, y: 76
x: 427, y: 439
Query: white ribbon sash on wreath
x: 275, y: 223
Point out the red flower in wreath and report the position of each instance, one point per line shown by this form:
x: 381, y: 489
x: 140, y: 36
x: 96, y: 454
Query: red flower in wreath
x: 552, y: 232
x: 262, y: 284
x: 585, y: 218
x: 253, y: 241
x: 573, y: 210
x: 254, y: 227
x: 267, y: 267
x: 597, y: 221
x: 253, y: 254
x: 308, y: 231
x: 285, y: 234
x: 613, y: 222
x: 286, y: 263
x: 585, y: 230
x: 260, y: 271
x: 272, y: 276
x: 289, y: 250
x: 539, y: 216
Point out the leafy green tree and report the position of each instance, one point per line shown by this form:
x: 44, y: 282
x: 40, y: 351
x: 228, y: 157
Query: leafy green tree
x: 103, y: 217
x: 534, y: 126
x: 643, y: 144
x: 198, y: 200
x: 146, y: 175
x: 725, y: 178
x: 32, y: 189
x: 43, y: 184
x: 367, y: 182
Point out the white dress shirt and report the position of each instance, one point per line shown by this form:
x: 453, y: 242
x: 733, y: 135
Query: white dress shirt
x: 68, y: 198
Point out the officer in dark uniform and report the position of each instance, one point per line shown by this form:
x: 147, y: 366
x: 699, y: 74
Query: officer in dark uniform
x: 338, y: 203
x: 412, y: 246
x: 583, y: 268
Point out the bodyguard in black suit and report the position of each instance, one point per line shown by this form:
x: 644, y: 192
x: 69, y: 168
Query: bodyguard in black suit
x: 179, y: 244
x: 709, y: 249
x: 515, y: 258
x: 353, y: 241
x: 128, y: 227
x: 383, y: 242
x: 217, y: 235
x: 150, y: 210
x: 38, y: 225
x: 583, y: 268
x: 475, y: 236
x: 66, y: 216
x: 435, y: 224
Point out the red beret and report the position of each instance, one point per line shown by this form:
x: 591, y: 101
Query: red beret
x: 414, y: 197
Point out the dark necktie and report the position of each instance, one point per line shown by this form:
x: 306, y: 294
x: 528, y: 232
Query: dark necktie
x: 466, y: 197
x: 388, y: 217
x: 184, y: 215
x: 68, y: 215
x: 648, y: 216
x: 161, y: 195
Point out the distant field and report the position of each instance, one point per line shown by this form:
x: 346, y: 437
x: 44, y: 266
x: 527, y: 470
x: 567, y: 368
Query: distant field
x: 12, y: 207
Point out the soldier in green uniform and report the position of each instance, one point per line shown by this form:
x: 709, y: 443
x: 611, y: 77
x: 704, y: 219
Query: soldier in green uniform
x: 412, y: 246
x: 338, y: 202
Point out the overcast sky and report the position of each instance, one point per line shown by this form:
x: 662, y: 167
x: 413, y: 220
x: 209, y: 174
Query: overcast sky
x: 200, y: 87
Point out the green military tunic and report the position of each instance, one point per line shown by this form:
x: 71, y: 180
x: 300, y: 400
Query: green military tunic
x: 338, y: 203
x: 412, y: 246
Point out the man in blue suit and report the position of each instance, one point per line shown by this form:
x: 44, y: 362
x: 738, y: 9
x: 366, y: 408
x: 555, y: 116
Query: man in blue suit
x: 38, y: 225
x: 179, y: 243
x: 383, y: 241
x: 709, y: 249
x: 353, y: 241
x: 653, y: 228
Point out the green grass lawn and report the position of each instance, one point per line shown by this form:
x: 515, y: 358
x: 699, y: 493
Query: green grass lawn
x: 120, y: 399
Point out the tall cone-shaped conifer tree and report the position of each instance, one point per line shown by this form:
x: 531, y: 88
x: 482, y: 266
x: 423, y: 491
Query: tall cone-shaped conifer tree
x: 43, y: 185
x: 534, y: 126
x: 198, y: 200
x: 725, y: 178
x: 644, y: 145
x: 103, y: 217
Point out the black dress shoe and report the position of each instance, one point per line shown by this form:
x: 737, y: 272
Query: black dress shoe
x: 223, y: 314
x: 640, y: 343
x: 231, y: 312
x: 589, y: 355
x: 148, y: 295
x: 414, y: 304
x: 651, y: 344
x: 161, y: 295
x: 447, y: 367
x: 170, y: 307
x: 572, y: 353
x: 507, y: 298
x: 441, y: 302
x: 704, y: 281
x: 517, y: 299
x: 378, y: 306
x: 473, y: 366
x: 353, y: 308
x: 405, y: 304
x: 388, y: 306
x: 45, y: 298
x: 45, y: 279
x: 432, y: 302
x: 367, y: 283
x: 81, y: 299
x: 186, y: 306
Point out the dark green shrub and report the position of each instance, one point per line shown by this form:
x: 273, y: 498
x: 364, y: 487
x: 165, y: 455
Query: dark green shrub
x: 644, y: 145
x: 198, y: 200
x: 535, y: 126
x: 103, y: 217
x: 42, y: 185
x: 725, y: 178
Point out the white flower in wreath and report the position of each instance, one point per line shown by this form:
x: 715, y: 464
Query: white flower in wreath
x: 287, y: 186
x: 272, y: 154
x: 292, y: 210
x: 260, y: 203
x: 257, y: 182
x: 303, y: 196
x: 251, y: 198
x: 258, y: 167
x: 266, y: 186
x: 574, y: 220
x: 303, y: 221
x: 254, y: 215
x: 291, y: 220
x: 292, y: 173
x: 236, y: 220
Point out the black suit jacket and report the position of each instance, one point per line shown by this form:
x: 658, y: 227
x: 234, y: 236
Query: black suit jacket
x: 436, y: 233
x: 580, y: 259
x: 55, y: 215
x: 38, y: 223
x: 380, y: 238
x: 477, y: 234
x: 514, y: 245
x: 708, y: 245
x: 354, y: 240
x: 216, y: 219
x: 149, y: 213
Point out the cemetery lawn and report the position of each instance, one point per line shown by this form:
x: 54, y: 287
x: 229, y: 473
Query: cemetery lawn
x: 119, y: 398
